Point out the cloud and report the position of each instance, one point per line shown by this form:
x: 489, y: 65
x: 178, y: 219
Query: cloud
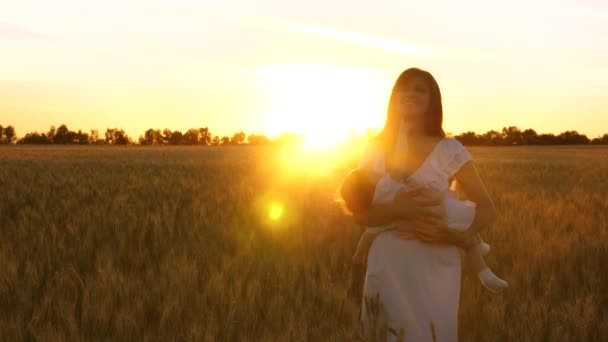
x: 427, y: 49
x: 12, y: 32
x: 342, y: 35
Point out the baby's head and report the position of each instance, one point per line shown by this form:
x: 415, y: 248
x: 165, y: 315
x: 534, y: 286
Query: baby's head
x: 357, y: 190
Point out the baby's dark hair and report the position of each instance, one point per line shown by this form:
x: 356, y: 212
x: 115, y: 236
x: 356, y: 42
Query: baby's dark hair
x: 357, y: 191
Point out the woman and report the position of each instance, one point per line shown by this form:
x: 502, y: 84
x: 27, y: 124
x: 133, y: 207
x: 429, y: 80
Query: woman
x: 412, y: 284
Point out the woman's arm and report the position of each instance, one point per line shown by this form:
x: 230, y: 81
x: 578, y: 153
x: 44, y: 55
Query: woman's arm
x: 475, y: 190
x: 403, y: 208
x: 378, y: 214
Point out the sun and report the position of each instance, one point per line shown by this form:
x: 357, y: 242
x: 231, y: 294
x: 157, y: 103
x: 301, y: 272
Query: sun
x: 325, y: 103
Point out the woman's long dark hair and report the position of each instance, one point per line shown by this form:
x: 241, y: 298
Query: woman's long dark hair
x: 433, y: 119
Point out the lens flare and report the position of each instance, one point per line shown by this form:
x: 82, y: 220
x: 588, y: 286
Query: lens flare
x: 275, y: 211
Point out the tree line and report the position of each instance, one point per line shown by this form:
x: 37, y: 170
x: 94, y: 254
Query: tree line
x: 511, y: 135
x: 115, y: 136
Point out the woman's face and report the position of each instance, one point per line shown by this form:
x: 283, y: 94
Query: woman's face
x: 413, y: 101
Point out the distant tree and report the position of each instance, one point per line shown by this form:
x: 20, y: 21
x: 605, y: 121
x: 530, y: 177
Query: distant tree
x: 468, y: 138
x: 94, y: 137
x: 176, y: 138
x: 62, y: 135
x: 547, y: 139
x: 602, y: 140
x: 529, y: 137
x: 255, y: 139
x: 225, y: 140
x: 51, y: 133
x: 572, y: 137
x: 7, y: 135
x: 238, y: 138
x: 109, y: 136
x: 215, y: 141
x: 82, y: 138
x: 191, y: 137
x: 204, y: 136
x: 167, y: 136
x: 151, y: 137
x: 491, y: 137
x: 115, y: 136
x: 34, y: 138
x: 511, y: 135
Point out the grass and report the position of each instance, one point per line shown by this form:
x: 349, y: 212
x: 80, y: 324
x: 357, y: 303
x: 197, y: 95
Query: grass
x: 165, y: 243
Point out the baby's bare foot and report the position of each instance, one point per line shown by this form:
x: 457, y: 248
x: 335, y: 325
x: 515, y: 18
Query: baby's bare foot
x: 491, y: 280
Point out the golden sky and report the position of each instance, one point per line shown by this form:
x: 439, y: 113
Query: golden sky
x: 317, y: 66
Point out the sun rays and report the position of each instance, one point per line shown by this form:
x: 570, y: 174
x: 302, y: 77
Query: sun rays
x: 325, y: 103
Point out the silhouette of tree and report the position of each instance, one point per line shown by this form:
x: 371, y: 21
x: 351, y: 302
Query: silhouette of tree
x: 468, y: 138
x: 176, y: 138
x: 529, y: 137
x: 512, y: 135
x: 547, y: 139
x: 238, y: 138
x: 109, y: 135
x: 215, y: 141
x: 94, y: 137
x: 62, y: 135
x: 492, y: 137
x: 255, y: 139
x: 7, y: 135
x: 603, y: 140
x: 204, y: 136
x: 51, y: 133
x: 82, y: 138
x: 115, y: 136
x: 34, y: 138
x: 191, y: 137
x: 167, y: 135
x: 151, y: 137
x: 572, y: 138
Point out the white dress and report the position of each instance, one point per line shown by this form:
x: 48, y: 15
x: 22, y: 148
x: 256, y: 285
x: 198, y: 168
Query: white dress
x: 413, y: 288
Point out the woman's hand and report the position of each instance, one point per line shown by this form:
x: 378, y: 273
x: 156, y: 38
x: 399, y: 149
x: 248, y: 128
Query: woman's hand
x: 420, y: 204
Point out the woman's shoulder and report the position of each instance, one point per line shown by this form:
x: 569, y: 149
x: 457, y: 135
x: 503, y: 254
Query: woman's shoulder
x: 452, y: 146
x: 453, y: 154
x: 452, y: 143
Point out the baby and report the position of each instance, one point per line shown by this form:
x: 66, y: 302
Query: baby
x: 360, y: 189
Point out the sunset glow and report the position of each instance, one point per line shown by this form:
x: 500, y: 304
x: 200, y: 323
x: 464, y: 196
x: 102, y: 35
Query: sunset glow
x: 323, y: 70
x: 325, y: 103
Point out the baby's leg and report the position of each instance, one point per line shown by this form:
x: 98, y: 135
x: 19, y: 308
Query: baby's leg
x: 475, y: 260
x: 484, y: 248
x: 477, y: 241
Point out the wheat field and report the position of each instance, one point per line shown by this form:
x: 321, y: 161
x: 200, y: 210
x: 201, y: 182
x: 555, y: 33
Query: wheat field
x: 248, y: 244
